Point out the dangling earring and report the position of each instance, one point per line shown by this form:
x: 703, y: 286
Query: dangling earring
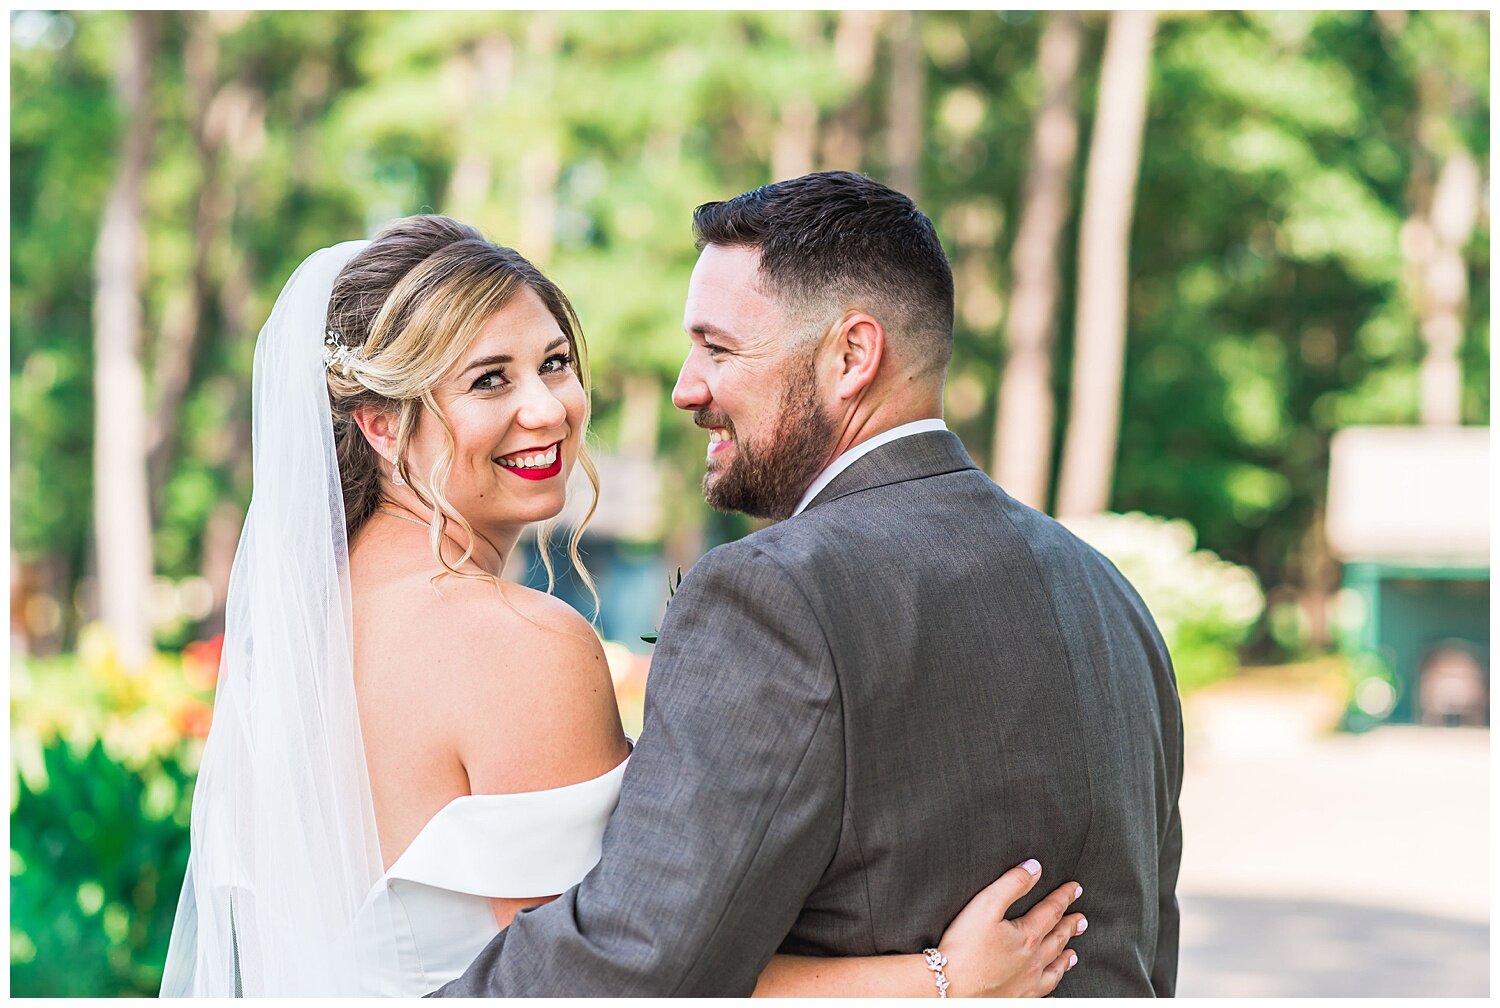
x: 396, y: 479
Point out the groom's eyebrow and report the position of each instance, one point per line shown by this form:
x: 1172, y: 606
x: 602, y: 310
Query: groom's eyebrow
x: 709, y: 330
x: 494, y: 359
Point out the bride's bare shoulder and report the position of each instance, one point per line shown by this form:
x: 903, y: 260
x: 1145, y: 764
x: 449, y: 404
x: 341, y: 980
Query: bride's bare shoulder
x: 516, y: 679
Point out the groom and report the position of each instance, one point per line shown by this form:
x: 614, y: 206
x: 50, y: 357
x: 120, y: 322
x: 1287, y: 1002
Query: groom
x: 860, y: 716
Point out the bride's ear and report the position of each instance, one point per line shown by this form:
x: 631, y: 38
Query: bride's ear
x: 379, y: 429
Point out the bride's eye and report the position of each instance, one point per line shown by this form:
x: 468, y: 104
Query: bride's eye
x: 489, y: 381
x: 557, y: 363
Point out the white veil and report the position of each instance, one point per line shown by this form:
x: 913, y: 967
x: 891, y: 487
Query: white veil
x: 284, y: 848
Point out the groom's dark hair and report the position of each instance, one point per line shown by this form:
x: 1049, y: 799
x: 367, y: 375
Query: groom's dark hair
x: 840, y: 236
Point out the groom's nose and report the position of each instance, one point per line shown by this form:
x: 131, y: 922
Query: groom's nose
x: 691, y: 391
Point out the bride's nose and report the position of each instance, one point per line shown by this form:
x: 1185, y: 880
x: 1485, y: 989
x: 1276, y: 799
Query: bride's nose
x: 541, y: 408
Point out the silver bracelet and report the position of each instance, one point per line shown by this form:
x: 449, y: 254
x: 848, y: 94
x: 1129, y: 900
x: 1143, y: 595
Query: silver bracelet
x: 937, y: 962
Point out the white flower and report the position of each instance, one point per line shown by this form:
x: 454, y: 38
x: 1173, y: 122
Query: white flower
x: 1203, y: 605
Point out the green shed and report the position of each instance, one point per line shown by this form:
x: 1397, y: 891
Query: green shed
x: 1408, y: 516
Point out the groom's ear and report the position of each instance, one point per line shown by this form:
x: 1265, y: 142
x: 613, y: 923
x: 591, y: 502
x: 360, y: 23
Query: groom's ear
x: 858, y: 347
x: 379, y: 429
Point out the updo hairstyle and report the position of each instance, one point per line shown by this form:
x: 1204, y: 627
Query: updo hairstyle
x: 410, y: 304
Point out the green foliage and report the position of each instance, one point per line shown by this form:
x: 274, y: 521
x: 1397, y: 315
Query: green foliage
x: 104, y: 764
x: 1270, y: 303
x: 97, y: 860
x: 1203, y: 605
x: 58, y: 184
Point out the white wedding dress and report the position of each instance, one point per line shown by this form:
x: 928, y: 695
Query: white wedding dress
x: 437, y: 894
x: 285, y: 892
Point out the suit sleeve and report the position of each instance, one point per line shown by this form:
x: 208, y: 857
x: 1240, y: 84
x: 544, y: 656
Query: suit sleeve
x: 729, y: 811
x: 1168, y: 929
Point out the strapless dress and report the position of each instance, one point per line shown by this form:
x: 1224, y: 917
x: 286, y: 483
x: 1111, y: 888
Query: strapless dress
x: 433, y: 905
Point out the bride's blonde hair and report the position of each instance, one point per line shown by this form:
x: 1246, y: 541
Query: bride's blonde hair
x: 410, y: 303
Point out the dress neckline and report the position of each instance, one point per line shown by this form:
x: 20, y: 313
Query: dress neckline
x: 568, y: 796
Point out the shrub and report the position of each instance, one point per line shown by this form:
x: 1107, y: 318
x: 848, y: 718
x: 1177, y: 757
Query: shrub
x: 97, y: 859
x: 1203, y: 605
x: 104, y: 764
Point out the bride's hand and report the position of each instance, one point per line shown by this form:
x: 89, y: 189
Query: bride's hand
x: 989, y: 956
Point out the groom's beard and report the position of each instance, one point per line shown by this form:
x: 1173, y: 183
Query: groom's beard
x: 767, y: 481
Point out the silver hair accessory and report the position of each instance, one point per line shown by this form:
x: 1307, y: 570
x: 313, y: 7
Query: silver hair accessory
x: 336, y: 354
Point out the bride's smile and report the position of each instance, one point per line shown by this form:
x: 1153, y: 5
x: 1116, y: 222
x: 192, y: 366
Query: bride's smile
x: 516, y: 412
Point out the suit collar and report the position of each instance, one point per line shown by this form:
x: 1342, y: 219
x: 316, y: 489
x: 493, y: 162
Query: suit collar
x: 916, y: 457
x: 859, y: 451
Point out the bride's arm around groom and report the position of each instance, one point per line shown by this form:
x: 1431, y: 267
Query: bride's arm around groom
x: 729, y: 814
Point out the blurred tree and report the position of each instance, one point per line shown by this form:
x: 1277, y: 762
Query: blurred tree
x: 122, y: 518
x: 854, y: 44
x: 208, y: 112
x: 1270, y: 301
x: 1305, y: 232
x: 904, y: 104
x: 61, y: 71
x: 1025, y: 414
x: 1443, y: 196
x: 1267, y: 303
x: 1089, y: 452
x: 1443, y: 286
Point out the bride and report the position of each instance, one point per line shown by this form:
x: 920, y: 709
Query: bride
x: 407, y: 750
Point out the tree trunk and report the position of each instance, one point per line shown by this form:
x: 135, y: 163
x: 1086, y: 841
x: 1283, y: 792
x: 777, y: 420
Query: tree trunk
x: 122, y: 522
x: 1443, y: 193
x: 640, y: 415
x: 795, y: 144
x: 1318, y: 579
x: 482, y: 78
x: 903, y: 137
x: 221, y: 537
x: 854, y: 43
x: 182, y: 326
x: 541, y: 164
x: 1445, y: 287
x: 796, y: 139
x: 1092, y: 439
x: 1024, y: 416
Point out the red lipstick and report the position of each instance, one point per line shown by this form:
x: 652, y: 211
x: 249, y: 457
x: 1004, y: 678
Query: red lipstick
x: 538, y: 474
x: 534, y: 472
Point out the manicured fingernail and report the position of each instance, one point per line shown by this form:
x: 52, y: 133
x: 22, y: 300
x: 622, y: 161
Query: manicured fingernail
x: 1083, y: 924
x: 1077, y: 891
x: 1072, y: 959
x: 1033, y: 866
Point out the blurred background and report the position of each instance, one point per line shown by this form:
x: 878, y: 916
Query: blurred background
x: 1222, y: 305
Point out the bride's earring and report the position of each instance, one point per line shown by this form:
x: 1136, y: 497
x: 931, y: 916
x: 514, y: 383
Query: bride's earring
x: 396, y: 479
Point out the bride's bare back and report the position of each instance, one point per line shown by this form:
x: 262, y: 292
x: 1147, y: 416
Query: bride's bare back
x: 464, y: 689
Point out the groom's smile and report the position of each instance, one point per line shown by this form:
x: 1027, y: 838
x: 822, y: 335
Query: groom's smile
x: 749, y: 381
x: 720, y: 442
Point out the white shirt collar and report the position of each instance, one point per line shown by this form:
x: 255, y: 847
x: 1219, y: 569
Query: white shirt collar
x: 862, y: 449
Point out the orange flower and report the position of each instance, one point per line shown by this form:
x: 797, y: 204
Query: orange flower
x: 192, y: 718
x: 200, y: 661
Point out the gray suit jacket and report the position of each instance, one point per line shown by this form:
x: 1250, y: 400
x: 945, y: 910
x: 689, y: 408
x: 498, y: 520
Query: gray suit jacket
x: 858, y: 718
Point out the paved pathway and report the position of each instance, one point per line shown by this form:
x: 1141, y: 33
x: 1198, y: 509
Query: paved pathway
x: 1332, y: 865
